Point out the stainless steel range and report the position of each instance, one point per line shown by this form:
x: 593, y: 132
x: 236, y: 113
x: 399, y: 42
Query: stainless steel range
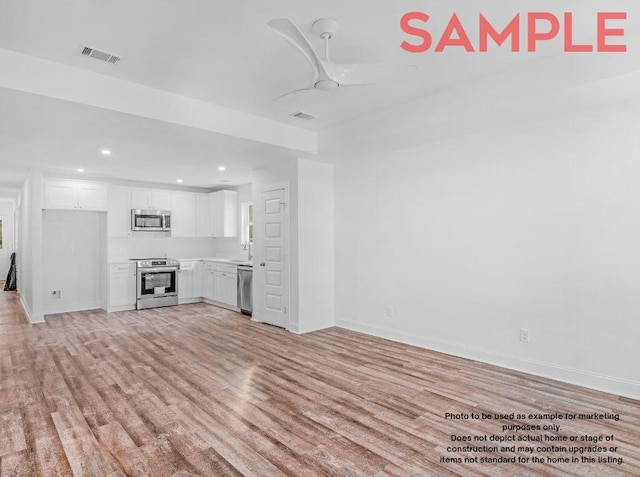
x: 156, y: 282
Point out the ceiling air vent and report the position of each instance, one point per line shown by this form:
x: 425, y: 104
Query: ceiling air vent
x: 100, y: 55
x: 303, y: 116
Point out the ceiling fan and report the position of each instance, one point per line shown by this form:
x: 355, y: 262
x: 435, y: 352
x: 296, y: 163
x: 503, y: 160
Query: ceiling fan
x: 329, y: 75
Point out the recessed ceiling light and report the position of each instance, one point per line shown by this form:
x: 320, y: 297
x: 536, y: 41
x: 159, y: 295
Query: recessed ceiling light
x: 180, y: 181
x: 105, y: 152
x: 80, y: 170
x: 221, y: 168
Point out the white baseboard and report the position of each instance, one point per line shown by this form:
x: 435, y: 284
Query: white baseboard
x: 71, y: 307
x: 301, y: 331
x: 221, y: 305
x: 111, y: 309
x: 32, y: 317
x: 621, y: 387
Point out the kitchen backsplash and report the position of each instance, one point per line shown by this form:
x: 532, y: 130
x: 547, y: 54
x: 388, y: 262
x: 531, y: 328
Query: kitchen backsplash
x: 229, y: 247
x: 152, y: 244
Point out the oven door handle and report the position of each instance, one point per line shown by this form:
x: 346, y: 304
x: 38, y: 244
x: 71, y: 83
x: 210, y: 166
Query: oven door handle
x: 157, y: 270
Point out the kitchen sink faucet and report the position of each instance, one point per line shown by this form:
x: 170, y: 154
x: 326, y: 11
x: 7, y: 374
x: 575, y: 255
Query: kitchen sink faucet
x: 247, y: 247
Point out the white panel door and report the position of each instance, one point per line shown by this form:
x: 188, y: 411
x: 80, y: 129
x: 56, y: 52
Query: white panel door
x: 273, y: 265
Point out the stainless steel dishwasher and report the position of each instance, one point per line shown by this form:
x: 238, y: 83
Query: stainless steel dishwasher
x: 245, y: 293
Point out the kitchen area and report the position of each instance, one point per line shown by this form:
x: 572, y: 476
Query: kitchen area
x: 151, y: 247
x: 87, y: 240
x: 167, y: 282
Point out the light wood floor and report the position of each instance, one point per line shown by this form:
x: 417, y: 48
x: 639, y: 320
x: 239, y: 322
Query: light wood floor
x: 197, y: 390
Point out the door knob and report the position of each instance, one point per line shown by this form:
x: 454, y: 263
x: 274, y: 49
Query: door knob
x: 262, y: 264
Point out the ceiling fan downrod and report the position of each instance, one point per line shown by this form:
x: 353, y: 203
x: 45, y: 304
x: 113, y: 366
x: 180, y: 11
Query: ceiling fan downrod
x: 326, y: 28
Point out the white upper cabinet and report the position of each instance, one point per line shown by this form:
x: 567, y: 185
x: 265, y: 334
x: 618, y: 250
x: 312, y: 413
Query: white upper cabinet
x: 60, y: 195
x: 204, y: 219
x: 224, y: 209
x: 92, y: 196
x: 150, y: 199
x: 119, y: 212
x: 183, y: 214
x: 75, y: 195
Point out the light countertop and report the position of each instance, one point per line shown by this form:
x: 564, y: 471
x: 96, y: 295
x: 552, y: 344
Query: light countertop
x: 231, y: 261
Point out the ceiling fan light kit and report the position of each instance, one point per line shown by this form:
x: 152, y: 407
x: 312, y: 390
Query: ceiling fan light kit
x: 327, y: 74
x: 326, y: 85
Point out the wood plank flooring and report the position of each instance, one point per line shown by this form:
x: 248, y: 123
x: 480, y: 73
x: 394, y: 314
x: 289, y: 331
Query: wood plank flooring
x: 198, y: 390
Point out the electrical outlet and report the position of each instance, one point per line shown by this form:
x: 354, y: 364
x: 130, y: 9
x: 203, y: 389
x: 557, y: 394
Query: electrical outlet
x: 388, y: 311
x: 524, y: 336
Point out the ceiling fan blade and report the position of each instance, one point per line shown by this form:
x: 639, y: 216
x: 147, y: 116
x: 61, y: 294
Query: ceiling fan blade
x: 369, y: 73
x: 294, y: 93
x: 287, y: 30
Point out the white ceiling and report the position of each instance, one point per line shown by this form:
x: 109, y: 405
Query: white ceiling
x: 61, y: 136
x: 225, y: 54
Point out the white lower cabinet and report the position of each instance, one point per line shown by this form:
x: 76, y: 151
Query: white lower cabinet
x: 185, y: 284
x: 226, y: 288
x: 209, y: 282
x: 189, y: 288
x: 122, y: 286
x: 219, y: 283
x: 197, y: 279
x: 214, y: 281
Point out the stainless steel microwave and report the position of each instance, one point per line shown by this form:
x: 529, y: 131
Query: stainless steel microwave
x: 150, y: 220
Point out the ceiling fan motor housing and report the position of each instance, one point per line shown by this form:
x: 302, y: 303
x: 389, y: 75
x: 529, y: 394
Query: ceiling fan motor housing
x: 326, y: 27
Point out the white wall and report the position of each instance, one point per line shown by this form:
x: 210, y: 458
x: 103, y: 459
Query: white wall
x: 152, y: 244
x: 29, y: 253
x: 23, y: 254
x: 316, y: 246
x: 73, y: 246
x: 470, y: 239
